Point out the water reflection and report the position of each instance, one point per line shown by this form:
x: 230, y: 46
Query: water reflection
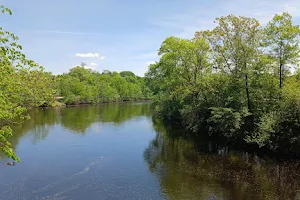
x: 187, y: 170
x: 76, y: 119
x: 58, y: 163
x: 38, y: 125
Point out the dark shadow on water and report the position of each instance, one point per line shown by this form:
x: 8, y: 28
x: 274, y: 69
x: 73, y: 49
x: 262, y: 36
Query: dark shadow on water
x: 199, y: 169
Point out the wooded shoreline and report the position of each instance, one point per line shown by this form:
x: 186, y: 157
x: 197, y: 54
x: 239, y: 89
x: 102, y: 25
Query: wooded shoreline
x: 234, y: 82
x: 239, y: 82
x: 88, y: 104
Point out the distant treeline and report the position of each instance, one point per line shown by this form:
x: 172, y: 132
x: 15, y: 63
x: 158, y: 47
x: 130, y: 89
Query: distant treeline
x: 82, y: 85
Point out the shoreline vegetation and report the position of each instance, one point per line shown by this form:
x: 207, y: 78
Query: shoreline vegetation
x: 233, y: 83
x: 60, y: 104
x: 238, y: 82
x: 84, y: 86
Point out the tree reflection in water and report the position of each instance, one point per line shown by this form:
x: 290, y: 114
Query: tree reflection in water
x: 187, y: 170
x: 77, y: 119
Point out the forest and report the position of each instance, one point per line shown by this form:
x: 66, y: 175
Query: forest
x: 82, y: 85
x: 238, y: 81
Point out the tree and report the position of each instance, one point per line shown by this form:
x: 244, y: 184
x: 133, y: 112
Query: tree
x: 282, y: 42
x: 127, y: 73
x: 107, y: 72
x: 120, y: 84
x: 181, y: 67
x: 81, y: 73
x: 22, y: 84
x: 185, y: 58
x: 235, y: 42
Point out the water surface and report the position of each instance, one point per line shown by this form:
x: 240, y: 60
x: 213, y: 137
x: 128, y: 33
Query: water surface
x: 117, y: 151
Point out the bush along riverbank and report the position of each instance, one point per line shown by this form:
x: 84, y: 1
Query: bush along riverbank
x: 238, y: 81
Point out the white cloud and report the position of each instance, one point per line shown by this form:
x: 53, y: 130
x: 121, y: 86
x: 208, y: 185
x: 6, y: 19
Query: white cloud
x: 93, y: 64
x: 89, y: 55
x: 150, y: 62
x: 90, y: 67
x: 102, y: 57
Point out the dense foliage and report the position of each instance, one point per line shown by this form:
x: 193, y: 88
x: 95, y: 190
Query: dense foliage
x: 234, y: 81
x: 23, y: 84
x: 82, y: 85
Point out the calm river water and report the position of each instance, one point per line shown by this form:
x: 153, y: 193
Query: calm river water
x: 117, y: 151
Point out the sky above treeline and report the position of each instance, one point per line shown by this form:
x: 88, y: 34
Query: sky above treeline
x: 119, y: 35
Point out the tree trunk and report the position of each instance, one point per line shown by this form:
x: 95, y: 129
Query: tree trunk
x: 195, y: 75
x: 247, y: 93
x: 280, y: 75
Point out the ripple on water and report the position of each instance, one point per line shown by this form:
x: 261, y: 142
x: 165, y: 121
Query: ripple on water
x: 56, y: 189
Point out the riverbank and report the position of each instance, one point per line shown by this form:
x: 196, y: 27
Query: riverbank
x: 60, y: 104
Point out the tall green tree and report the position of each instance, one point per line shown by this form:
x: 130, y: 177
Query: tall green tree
x: 282, y: 42
x: 235, y: 42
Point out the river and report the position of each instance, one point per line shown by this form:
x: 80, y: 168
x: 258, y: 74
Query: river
x: 118, y: 151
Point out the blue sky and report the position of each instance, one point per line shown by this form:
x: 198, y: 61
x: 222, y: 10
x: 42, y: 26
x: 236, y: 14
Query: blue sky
x: 116, y: 34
